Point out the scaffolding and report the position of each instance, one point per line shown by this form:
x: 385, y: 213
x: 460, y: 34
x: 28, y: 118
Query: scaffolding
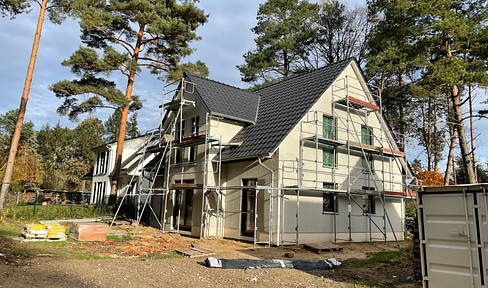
x: 343, y: 136
x: 169, y: 173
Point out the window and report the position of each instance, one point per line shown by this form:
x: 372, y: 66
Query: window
x: 328, y: 127
x: 179, y: 155
x: 367, y: 162
x: 369, y: 203
x: 329, y: 204
x: 195, y: 125
x: 98, y: 192
x: 367, y: 158
x: 193, y: 153
x: 102, y: 163
x: 328, y: 156
x: 328, y: 150
x: 366, y: 135
x: 248, y: 207
x: 177, y: 129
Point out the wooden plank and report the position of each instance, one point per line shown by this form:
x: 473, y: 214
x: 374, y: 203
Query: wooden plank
x: 195, y: 252
x: 363, y: 103
x: 366, y: 147
x: 321, y: 247
x: 203, y: 250
x: 185, y: 186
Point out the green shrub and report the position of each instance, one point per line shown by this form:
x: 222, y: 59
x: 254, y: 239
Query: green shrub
x: 410, y: 217
x: 51, y: 212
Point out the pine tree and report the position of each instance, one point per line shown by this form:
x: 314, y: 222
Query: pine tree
x: 113, y: 123
x: 284, y: 31
x: 57, y: 10
x: 444, y: 40
x: 154, y: 34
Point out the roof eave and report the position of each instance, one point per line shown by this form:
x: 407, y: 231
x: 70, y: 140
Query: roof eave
x: 232, y: 118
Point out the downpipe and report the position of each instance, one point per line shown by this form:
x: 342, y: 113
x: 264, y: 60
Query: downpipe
x: 271, y: 198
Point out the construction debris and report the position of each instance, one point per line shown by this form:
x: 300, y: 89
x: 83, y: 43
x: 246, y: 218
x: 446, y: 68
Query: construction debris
x: 52, y: 231
x: 195, y: 252
x: 290, y: 254
x: 89, y: 231
x: 274, y: 263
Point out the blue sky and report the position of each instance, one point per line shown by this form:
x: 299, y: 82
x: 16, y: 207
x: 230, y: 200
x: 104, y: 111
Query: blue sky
x: 225, y: 38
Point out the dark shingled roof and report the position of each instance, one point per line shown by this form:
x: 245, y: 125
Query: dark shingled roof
x: 281, y: 107
x: 225, y: 100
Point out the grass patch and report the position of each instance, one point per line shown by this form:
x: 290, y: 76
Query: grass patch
x: 399, y: 258
x: 51, y: 212
x: 115, y: 237
x: 49, y: 243
x: 13, y: 231
x: 56, y: 249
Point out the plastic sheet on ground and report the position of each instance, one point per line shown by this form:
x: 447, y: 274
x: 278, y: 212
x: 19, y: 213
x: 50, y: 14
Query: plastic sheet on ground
x: 272, y: 263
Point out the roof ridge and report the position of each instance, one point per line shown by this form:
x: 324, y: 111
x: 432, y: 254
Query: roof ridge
x: 305, y: 73
x: 215, y: 81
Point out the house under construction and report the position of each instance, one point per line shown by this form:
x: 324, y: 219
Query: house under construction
x: 308, y: 159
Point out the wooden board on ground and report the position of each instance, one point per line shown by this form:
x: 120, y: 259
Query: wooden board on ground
x: 195, y: 252
x: 323, y: 247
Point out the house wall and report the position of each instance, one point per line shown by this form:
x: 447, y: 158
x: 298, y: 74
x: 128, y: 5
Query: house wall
x: 131, y: 146
x: 216, y: 129
x: 235, y: 173
x: 314, y: 225
x: 384, y: 168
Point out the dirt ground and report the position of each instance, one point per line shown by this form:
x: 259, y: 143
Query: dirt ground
x: 148, y: 260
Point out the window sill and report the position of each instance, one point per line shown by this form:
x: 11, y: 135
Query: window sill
x: 330, y: 213
x: 328, y: 166
x: 185, y: 164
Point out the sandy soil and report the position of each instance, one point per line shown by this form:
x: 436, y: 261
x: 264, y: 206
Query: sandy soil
x: 126, y: 268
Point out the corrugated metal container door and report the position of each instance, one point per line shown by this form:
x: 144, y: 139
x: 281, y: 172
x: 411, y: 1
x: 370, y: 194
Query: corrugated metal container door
x: 453, y: 234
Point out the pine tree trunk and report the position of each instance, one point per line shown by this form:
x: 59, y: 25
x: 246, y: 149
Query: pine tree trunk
x: 452, y: 144
x: 471, y: 130
x: 23, y: 105
x: 461, y: 131
x: 435, y: 135
x: 123, y: 121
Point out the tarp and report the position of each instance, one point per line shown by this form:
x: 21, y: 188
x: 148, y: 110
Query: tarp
x: 273, y: 263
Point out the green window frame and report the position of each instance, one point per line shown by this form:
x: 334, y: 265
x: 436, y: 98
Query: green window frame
x: 328, y: 155
x: 367, y: 162
x: 366, y: 135
x: 367, y: 158
x: 328, y: 127
x: 328, y: 132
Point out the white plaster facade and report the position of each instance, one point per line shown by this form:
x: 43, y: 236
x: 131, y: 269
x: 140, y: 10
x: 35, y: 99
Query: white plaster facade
x: 290, y: 205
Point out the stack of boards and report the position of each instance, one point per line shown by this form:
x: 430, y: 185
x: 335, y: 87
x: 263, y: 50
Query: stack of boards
x: 44, y: 231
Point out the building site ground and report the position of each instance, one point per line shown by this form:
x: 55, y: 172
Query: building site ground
x: 148, y: 259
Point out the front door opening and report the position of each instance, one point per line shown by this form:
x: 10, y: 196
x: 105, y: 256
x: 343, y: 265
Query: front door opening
x: 182, y: 211
x: 248, y: 207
